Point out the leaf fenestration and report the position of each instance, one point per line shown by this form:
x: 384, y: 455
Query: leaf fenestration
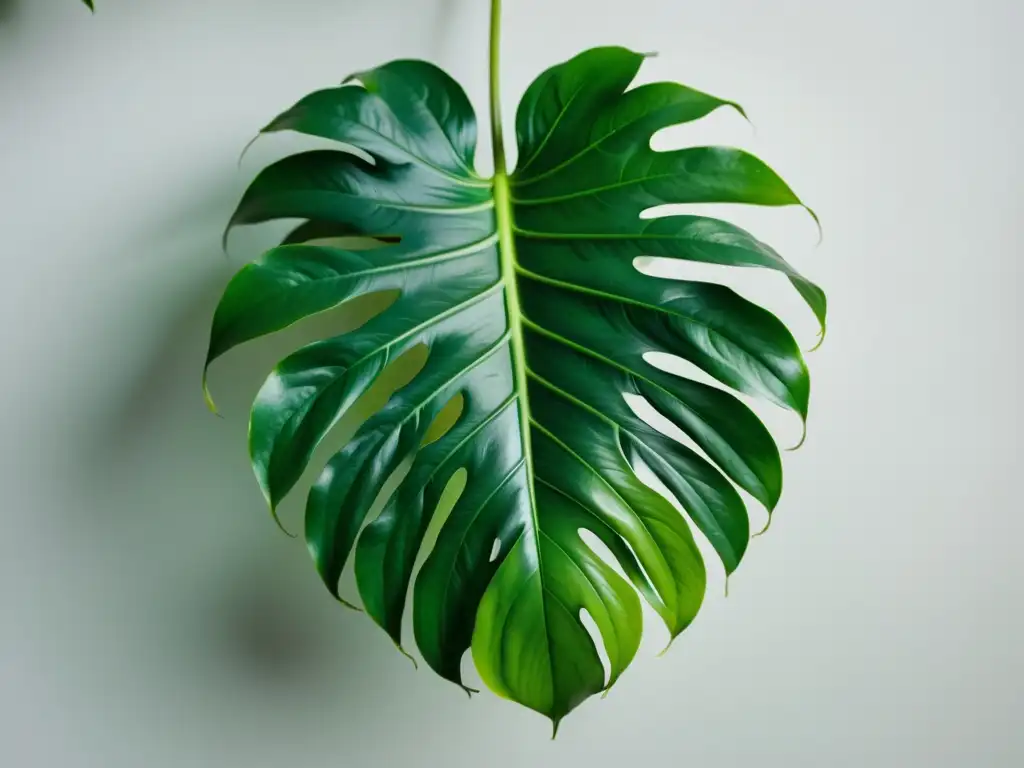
x: 524, y: 292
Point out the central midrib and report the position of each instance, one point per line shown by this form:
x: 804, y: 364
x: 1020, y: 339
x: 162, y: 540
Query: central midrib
x: 506, y: 249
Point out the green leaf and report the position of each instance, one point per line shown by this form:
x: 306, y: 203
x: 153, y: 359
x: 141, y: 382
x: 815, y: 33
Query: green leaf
x: 524, y: 292
x: 89, y: 5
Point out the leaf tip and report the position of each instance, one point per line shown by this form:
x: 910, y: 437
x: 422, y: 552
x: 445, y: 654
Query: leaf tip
x: 224, y: 238
x: 667, y: 648
x: 401, y: 650
x: 555, y: 722
x: 819, y: 342
x: 803, y: 437
x: 742, y: 112
x: 208, y: 398
x: 764, y: 530
x: 277, y: 519
x: 346, y: 603
x: 284, y: 530
x: 817, y: 223
x: 248, y: 146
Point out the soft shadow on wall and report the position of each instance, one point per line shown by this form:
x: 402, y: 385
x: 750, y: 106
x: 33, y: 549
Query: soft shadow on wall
x: 192, y: 602
x: 197, y: 572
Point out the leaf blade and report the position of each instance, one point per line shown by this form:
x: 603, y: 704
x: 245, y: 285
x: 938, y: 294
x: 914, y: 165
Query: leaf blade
x: 524, y: 292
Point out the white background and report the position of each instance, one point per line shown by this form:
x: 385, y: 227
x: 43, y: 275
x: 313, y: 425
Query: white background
x: 153, y: 616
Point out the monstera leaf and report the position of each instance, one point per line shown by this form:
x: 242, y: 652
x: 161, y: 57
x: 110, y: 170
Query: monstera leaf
x: 523, y: 289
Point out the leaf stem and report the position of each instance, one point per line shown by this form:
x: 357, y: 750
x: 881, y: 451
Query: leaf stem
x: 507, y: 251
x: 497, y: 134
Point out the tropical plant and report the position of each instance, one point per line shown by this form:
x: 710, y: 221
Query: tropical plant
x: 523, y: 290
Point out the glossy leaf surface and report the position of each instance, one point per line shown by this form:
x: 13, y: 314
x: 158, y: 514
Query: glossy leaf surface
x: 523, y: 290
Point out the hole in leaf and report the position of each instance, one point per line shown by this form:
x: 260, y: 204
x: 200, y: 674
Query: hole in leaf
x: 350, y: 316
x: 388, y: 489
x: 446, y: 418
x: 347, y: 586
x: 712, y: 563
x: 789, y: 230
x: 724, y: 125
x: 679, y: 366
x: 762, y: 286
x: 647, y: 476
x: 317, y: 232
x: 450, y: 496
x: 595, y: 635
x: 399, y: 372
x: 396, y: 375
x: 751, y: 218
x: 269, y: 147
x: 350, y: 243
x: 777, y: 419
x: 599, y: 548
x: 495, y: 551
x: 720, y: 274
x: 651, y: 617
x: 646, y: 411
x: 235, y: 383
